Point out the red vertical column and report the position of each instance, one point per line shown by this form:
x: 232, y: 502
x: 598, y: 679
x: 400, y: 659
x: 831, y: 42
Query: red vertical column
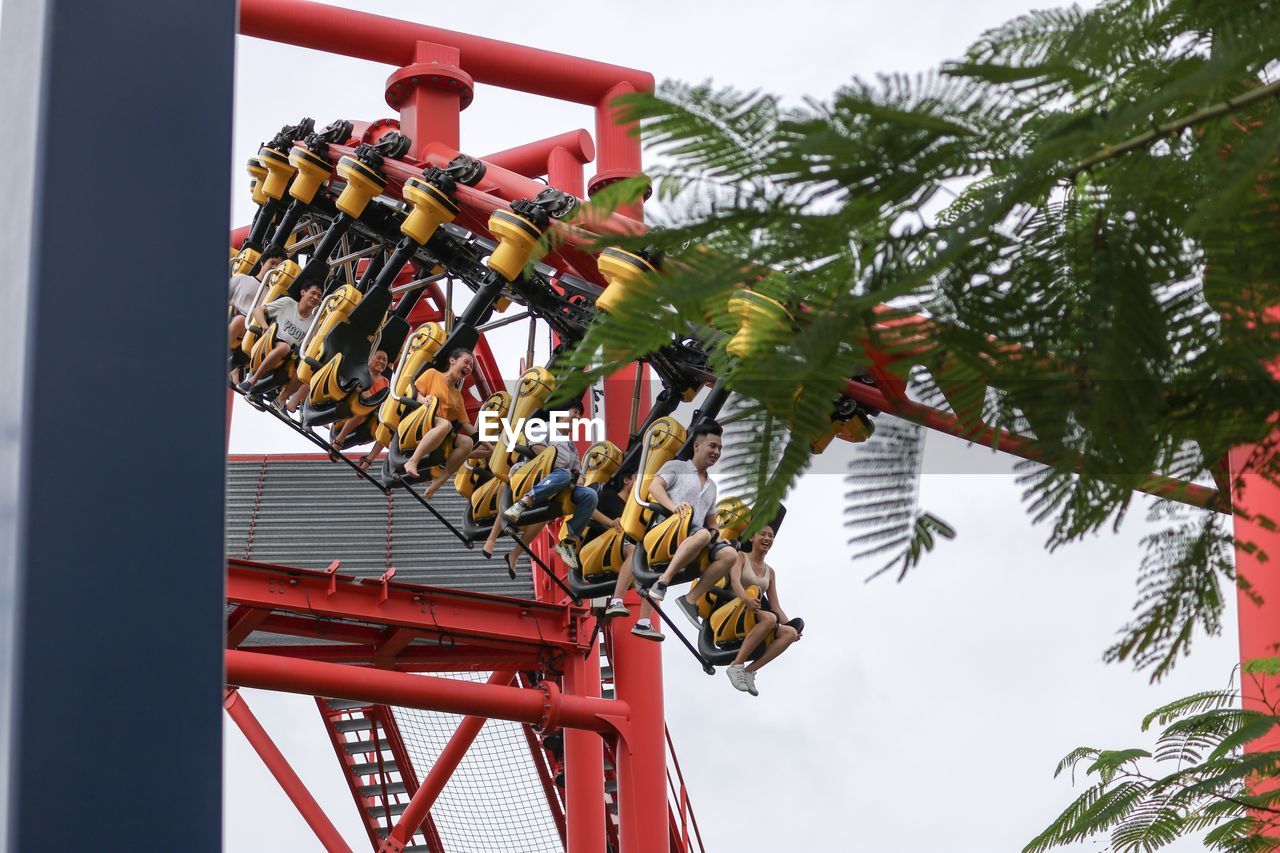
x: 617, y: 147
x: 1256, y: 565
x: 642, y: 759
x: 431, y: 94
x: 618, y: 158
x: 564, y: 172
x: 584, y: 765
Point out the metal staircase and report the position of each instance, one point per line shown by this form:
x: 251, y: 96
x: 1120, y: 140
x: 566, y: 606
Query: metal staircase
x: 377, y: 767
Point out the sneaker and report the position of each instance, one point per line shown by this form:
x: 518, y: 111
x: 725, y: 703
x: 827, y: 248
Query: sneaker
x: 647, y: 632
x: 751, y: 681
x: 513, y: 513
x: 245, y: 385
x: 657, y: 592
x: 738, y: 677
x: 568, y: 551
x: 617, y: 608
x: 690, y: 611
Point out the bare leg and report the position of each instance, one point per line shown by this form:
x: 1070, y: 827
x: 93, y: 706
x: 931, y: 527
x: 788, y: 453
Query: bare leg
x: 719, y: 567
x: 274, y: 359
x: 235, y: 332
x: 462, y: 445
x: 530, y: 533
x: 626, y: 577
x: 430, y: 441
x: 688, y: 551
x: 765, y: 622
x: 370, y: 457
x: 299, y: 394
x: 492, y: 541
x: 348, y: 426
x: 781, y: 642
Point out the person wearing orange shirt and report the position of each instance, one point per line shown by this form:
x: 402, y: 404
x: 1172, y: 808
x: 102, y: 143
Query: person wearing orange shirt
x: 377, y: 364
x: 451, y: 417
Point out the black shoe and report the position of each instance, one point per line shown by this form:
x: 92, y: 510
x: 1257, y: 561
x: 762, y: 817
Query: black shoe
x: 690, y: 611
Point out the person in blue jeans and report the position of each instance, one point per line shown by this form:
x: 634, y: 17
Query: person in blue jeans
x: 564, y: 475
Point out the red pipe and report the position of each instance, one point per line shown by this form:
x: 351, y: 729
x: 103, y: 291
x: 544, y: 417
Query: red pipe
x: 641, y: 759
x: 998, y: 439
x: 584, y: 765
x: 545, y: 707
x: 452, y: 754
x: 279, y: 767
x: 393, y: 42
x: 531, y: 158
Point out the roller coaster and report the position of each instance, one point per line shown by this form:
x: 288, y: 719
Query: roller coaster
x: 394, y: 224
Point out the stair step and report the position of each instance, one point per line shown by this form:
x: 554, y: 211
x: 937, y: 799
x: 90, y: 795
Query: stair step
x: 346, y: 704
x: 606, y: 672
x: 375, y: 789
x: 361, y: 747
x: 354, y: 724
x: 396, y: 809
x: 371, y: 768
x: 607, y: 691
x: 611, y: 786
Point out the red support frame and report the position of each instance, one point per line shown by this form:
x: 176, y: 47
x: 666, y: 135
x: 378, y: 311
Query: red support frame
x: 293, y: 787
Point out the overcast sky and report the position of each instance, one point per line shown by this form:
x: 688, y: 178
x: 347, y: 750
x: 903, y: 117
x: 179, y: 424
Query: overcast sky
x: 918, y: 716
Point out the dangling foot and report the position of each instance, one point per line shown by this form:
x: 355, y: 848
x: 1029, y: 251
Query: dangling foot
x: 513, y: 557
x: 432, y: 488
x: 245, y: 386
x: 751, y: 682
x: 645, y: 630
x: 512, y: 514
x: 617, y: 607
x: 411, y: 470
x: 568, y: 551
x: 364, y: 463
x: 657, y: 592
x: 738, y: 677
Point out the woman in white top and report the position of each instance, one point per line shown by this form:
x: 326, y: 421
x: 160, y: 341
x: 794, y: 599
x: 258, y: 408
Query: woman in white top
x: 751, y: 574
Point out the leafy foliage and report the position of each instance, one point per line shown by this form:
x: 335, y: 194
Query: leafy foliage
x: 1081, y: 212
x: 1197, y: 779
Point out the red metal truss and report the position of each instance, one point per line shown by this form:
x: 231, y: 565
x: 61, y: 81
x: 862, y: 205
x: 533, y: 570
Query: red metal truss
x: 382, y: 616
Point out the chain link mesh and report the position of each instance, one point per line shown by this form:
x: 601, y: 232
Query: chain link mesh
x: 494, y: 802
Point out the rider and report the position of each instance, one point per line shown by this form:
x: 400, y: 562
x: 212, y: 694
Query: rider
x: 377, y: 364
x: 756, y: 585
x: 293, y: 318
x: 564, y: 475
x: 451, y: 417
x: 609, y: 513
x: 683, y: 482
x: 243, y: 289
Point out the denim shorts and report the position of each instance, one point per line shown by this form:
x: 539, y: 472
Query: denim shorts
x: 715, y: 546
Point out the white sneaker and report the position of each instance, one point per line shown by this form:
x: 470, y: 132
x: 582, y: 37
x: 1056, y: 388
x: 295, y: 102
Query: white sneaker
x: 738, y: 677
x: 513, y: 513
x: 568, y: 551
x: 751, y: 681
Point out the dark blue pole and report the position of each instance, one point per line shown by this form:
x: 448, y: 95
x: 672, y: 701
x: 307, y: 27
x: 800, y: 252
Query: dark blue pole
x: 114, y: 216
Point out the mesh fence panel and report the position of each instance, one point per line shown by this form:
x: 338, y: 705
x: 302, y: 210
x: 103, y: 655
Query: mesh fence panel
x: 494, y: 801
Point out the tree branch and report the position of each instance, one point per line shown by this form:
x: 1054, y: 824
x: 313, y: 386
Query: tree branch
x: 1110, y: 152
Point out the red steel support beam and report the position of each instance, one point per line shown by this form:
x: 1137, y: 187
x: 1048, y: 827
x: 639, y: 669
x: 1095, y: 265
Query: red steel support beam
x: 393, y: 42
x: 641, y: 762
x: 584, y: 765
x: 425, y: 797
x: 288, y: 779
x: 531, y: 158
x: 546, y: 707
x: 430, y: 92
x: 432, y: 611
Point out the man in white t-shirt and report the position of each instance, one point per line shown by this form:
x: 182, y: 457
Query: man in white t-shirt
x: 293, y: 319
x: 686, y: 483
x: 243, y: 289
